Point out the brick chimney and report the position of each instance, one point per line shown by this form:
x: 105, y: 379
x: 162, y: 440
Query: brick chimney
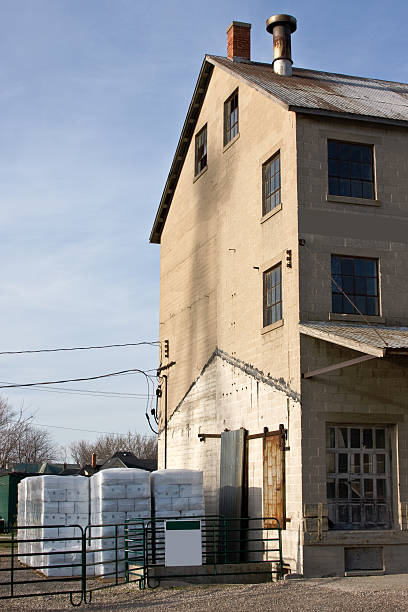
x: 239, y: 41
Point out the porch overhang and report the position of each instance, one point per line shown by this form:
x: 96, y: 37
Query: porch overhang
x: 374, y: 341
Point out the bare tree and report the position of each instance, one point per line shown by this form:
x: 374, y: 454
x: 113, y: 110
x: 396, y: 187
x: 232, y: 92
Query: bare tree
x: 20, y: 440
x: 144, y: 447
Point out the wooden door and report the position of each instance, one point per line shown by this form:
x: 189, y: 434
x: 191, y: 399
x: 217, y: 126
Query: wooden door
x: 274, y: 480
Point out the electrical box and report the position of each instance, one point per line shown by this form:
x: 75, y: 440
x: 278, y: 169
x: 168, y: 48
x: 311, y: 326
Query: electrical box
x: 183, y: 544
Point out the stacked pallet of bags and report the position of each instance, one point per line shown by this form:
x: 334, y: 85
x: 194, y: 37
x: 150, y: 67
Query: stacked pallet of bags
x: 49, y: 506
x: 175, y: 494
x: 117, y: 495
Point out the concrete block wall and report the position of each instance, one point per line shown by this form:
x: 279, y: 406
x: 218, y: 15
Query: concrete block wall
x: 225, y: 397
x: 216, y: 245
x: 344, y: 228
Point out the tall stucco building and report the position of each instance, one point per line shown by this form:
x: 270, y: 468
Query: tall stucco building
x: 283, y: 228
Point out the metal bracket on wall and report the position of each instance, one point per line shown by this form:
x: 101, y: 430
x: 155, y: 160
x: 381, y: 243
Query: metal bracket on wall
x: 265, y: 434
x: 165, y: 367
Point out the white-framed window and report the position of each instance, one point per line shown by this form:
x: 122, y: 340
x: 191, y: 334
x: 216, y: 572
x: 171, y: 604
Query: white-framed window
x: 358, y: 476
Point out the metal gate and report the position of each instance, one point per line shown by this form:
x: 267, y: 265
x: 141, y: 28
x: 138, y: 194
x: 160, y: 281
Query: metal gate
x: 32, y: 566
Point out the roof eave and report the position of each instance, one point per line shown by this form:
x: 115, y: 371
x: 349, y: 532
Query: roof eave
x: 328, y: 113
x: 182, y: 148
x: 330, y: 336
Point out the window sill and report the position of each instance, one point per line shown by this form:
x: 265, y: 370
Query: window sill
x: 230, y: 143
x: 271, y: 213
x: 352, y: 318
x: 272, y: 326
x: 197, y: 176
x: 349, y: 200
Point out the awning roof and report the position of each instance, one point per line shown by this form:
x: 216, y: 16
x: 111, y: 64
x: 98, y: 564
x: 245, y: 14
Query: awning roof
x: 377, y: 340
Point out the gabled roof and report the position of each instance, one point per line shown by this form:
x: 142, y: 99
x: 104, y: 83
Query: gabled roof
x: 306, y: 91
x: 130, y: 460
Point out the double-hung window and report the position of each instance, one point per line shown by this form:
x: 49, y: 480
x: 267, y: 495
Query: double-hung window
x: 201, y: 150
x: 271, y: 184
x: 351, y: 169
x: 231, y: 118
x: 272, y: 295
x: 354, y: 285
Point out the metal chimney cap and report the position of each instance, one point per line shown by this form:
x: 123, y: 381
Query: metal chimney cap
x: 281, y: 20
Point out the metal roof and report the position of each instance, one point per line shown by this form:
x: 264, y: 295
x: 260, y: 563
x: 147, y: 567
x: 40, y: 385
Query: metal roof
x: 372, y: 339
x: 312, y: 90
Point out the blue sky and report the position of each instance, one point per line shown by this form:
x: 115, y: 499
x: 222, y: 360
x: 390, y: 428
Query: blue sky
x: 93, y: 94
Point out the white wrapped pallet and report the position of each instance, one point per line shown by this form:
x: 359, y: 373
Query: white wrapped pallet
x: 117, y: 495
x: 23, y: 546
x: 177, y: 493
x: 52, y: 504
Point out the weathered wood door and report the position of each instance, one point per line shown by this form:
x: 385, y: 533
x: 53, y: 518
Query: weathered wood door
x: 274, y: 480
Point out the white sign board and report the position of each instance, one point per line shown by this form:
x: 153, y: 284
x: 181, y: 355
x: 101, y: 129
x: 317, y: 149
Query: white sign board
x: 183, y: 543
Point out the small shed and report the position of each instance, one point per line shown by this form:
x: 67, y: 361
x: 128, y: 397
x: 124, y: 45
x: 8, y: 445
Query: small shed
x: 8, y: 497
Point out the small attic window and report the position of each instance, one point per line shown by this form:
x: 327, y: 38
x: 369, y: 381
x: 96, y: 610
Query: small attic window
x: 201, y: 151
x: 231, y: 117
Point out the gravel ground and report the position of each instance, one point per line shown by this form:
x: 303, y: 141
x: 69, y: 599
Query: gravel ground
x: 287, y: 596
x: 362, y: 594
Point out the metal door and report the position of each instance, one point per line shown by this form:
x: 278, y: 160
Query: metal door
x: 232, y: 502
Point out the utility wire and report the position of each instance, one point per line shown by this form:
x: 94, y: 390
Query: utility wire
x: 56, y: 382
x: 87, y: 392
x: 359, y: 312
x: 80, y: 348
x: 110, y: 433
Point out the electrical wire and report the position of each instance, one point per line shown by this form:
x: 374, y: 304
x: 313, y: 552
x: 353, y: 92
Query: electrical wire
x: 87, y: 392
x: 359, y: 312
x: 55, y: 382
x: 110, y: 433
x: 80, y: 348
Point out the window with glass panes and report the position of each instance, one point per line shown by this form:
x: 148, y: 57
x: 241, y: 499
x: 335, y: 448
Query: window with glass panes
x: 271, y: 184
x: 201, y: 150
x: 357, y: 277
x: 358, y: 477
x: 231, y: 117
x: 272, y: 295
x: 351, y: 169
